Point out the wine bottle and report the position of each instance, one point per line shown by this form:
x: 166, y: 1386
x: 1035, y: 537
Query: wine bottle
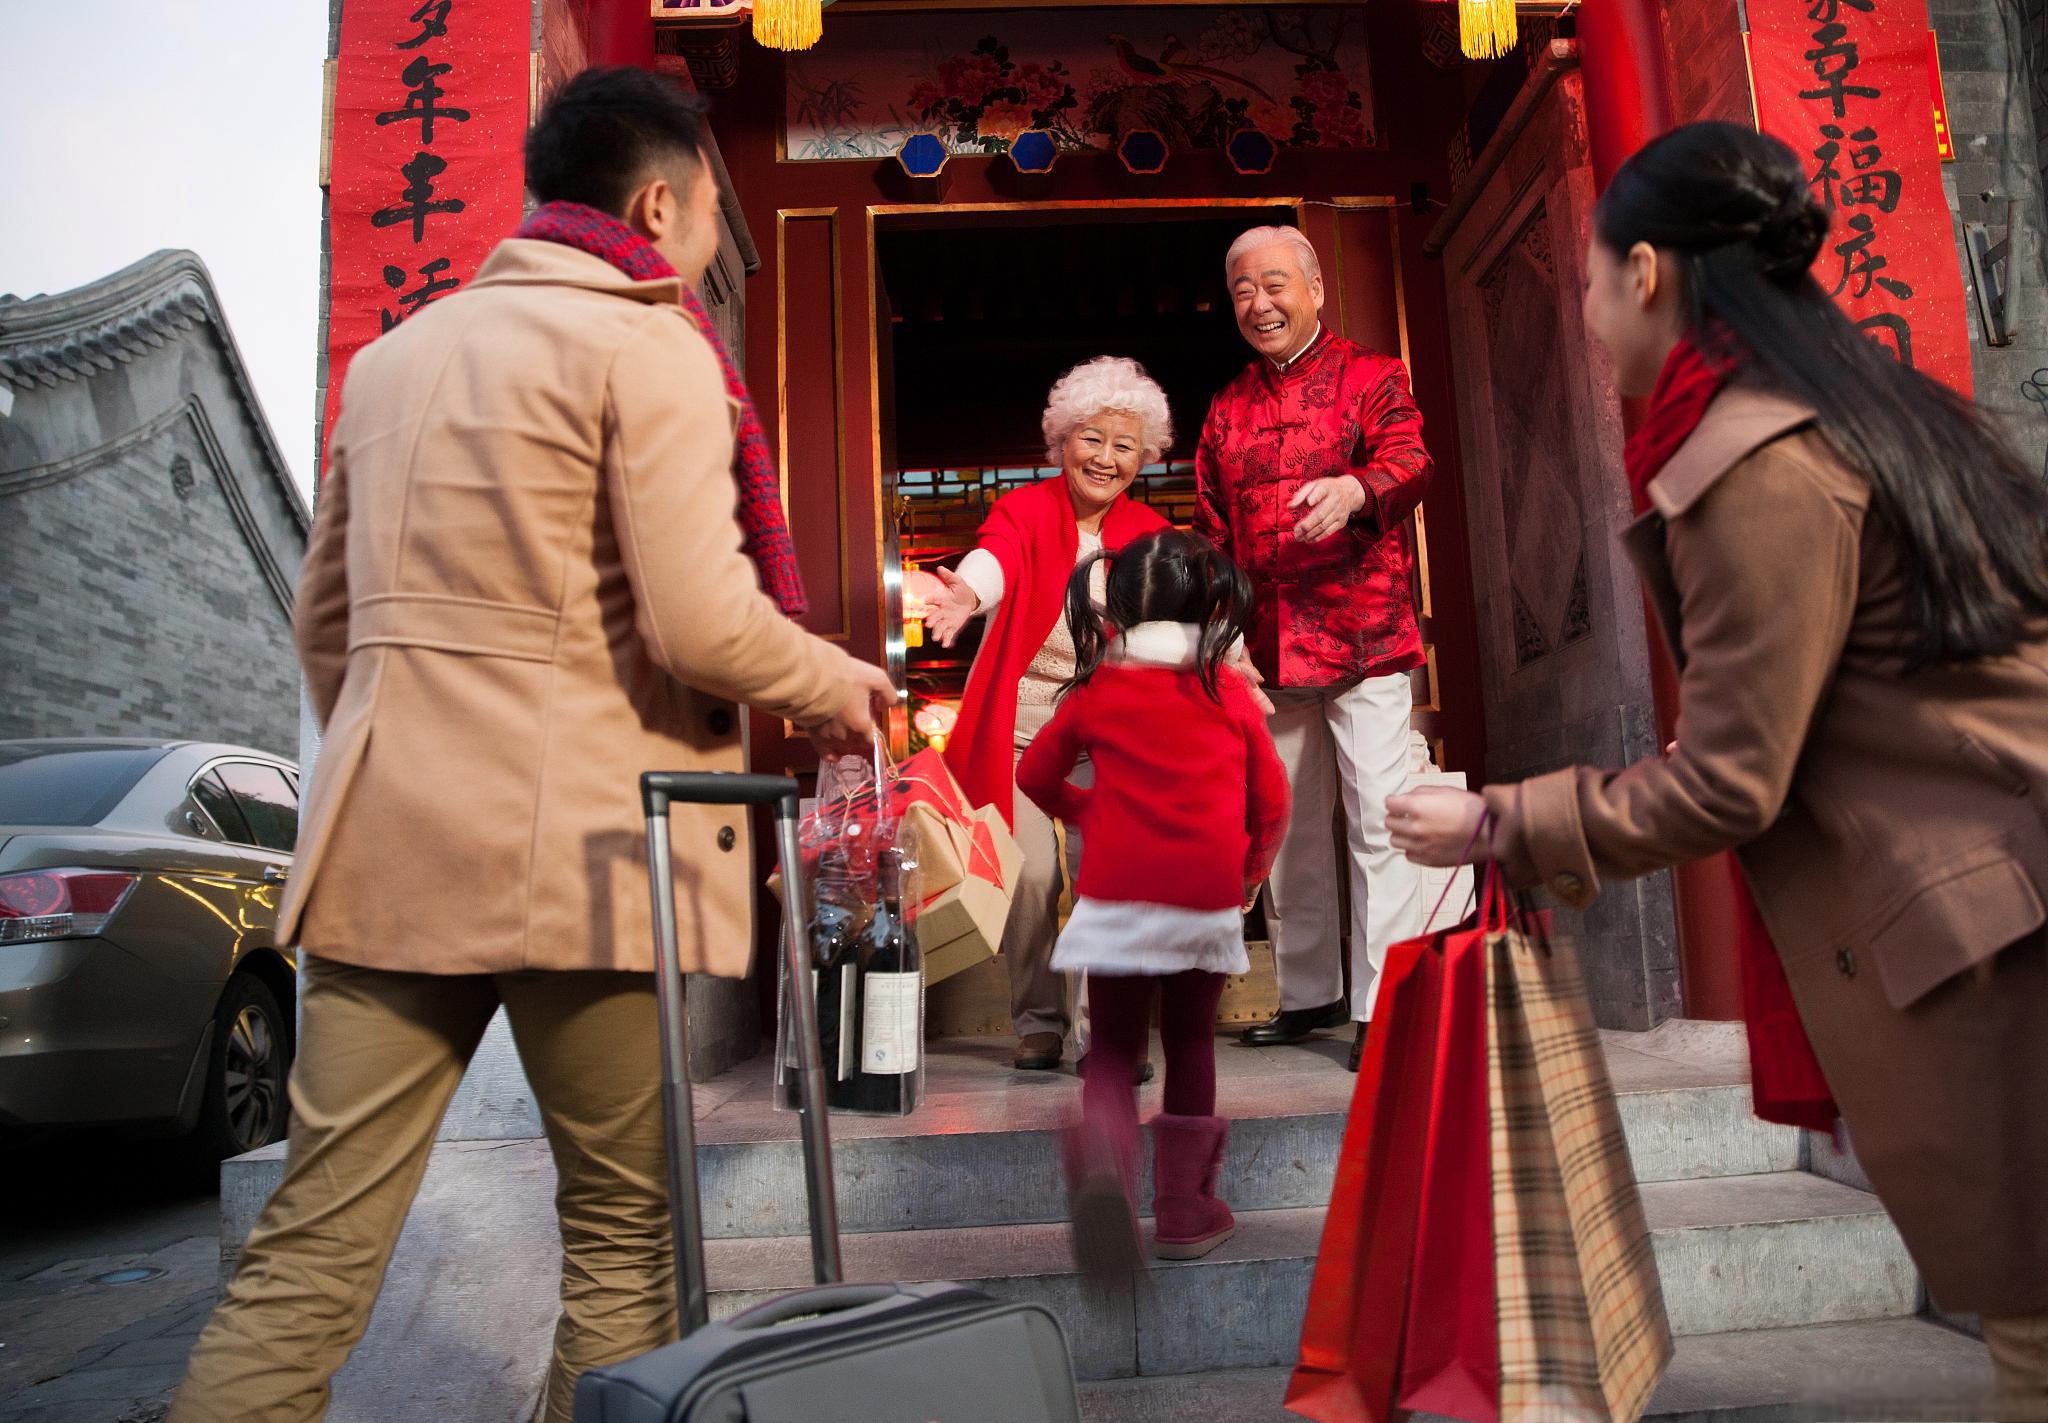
x: 891, y: 1000
x: 834, y: 941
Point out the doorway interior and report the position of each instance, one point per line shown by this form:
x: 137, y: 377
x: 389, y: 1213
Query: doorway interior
x: 984, y: 309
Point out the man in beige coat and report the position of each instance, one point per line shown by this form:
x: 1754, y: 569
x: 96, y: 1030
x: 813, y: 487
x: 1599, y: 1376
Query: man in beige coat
x: 525, y: 586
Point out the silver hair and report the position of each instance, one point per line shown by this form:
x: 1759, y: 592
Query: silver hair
x: 1106, y: 383
x: 1258, y: 237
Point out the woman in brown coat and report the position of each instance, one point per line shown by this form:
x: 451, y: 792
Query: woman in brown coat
x: 1852, y: 572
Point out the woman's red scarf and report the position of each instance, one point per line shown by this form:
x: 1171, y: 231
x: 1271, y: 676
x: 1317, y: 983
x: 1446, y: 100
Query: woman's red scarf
x: 1785, y: 1081
x: 1032, y: 534
x: 764, y: 531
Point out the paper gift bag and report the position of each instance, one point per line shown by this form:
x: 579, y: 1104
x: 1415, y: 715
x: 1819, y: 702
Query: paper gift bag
x: 1450, y: 1354
x: 932, y: 815
x: 1351, y: 1333
x: 1583, y: 1333
x: 922, y: 810
x: 962, y: 925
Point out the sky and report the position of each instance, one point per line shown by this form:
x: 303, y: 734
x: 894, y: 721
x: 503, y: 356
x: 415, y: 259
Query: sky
x: 174, y: 123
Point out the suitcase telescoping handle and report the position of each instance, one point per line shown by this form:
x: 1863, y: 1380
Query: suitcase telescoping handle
x: 657, y: 789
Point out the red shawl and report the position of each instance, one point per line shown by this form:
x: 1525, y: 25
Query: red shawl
x: 1785, y: 1080
x: 1031, y: 532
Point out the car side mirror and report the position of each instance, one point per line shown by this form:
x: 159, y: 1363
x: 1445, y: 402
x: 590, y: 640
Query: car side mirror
x: 197, y: 821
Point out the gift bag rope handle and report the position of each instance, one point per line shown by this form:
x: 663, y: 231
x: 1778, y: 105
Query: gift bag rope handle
x: 1464, y: 862
x: 1499, y: 909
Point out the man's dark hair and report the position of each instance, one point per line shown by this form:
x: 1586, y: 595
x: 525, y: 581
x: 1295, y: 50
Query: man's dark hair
x: 606, y: 132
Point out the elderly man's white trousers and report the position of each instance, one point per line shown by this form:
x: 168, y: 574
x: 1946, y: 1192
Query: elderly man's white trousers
x: 1348, y: 742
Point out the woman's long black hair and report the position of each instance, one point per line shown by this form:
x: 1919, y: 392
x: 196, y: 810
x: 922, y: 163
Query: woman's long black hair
x: 1971, y: 520
x: 1166, y: 577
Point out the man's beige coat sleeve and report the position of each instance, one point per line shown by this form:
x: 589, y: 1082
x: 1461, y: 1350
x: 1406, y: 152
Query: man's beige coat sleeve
x: 1766, y: 565
x: 320, y: 611
x: 668, y: 473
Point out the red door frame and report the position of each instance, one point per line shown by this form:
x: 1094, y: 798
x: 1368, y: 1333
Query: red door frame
x: 1628, y: 101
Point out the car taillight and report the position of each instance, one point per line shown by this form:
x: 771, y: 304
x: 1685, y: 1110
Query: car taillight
x: 59, y: 904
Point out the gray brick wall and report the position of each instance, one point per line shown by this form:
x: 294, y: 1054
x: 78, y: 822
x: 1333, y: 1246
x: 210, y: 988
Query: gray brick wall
x: 150, y: 535
x: 1994, y: 113
x: 137, y: 610
x: 2036, y: 55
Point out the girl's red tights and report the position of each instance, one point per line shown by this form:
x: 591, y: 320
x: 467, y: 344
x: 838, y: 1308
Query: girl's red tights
x: 1120, y: 1020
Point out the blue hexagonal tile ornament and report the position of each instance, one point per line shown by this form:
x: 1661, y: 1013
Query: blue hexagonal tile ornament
x: 1142, y: 150
x: 1251, y: 151
x: 1033, y: 151
x: 922, y: 155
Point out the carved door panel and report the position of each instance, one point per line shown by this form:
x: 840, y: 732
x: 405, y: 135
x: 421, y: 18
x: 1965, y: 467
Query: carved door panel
x: 1560, y: 626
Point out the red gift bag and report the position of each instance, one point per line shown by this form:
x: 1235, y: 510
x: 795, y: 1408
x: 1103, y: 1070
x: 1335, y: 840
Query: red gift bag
x: 1450, y: 1353
x: 1351, y: 1334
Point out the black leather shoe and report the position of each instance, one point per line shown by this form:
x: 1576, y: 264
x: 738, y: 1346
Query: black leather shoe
x: 1357, y: 1048
x: 1291, y: 1025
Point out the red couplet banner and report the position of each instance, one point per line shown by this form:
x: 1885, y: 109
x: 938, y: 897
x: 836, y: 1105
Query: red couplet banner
x: 430, y: 112
x: 1845, y: 82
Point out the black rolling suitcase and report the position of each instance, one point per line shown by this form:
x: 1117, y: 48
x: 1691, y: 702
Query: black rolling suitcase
x: 862, y: 1353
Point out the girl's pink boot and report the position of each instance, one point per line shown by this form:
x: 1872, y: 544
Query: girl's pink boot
x: 1187, y: 1152
x: 1101, y: 1164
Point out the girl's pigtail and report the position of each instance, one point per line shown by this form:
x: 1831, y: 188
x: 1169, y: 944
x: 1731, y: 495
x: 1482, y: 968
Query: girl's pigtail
x: 1226, y: 612
x: 1085, y: 621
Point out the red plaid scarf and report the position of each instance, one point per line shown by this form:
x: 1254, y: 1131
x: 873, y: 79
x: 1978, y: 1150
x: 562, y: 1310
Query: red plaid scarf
x: 764, y: 529
x: 1786, y: 1083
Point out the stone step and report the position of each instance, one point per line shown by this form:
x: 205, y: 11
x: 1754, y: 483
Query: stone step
x: 979, y: 1157
x: 1864, y: 1370
x: 969, y: 1161
x: 1739, y: 1252
x: 473, y: 1290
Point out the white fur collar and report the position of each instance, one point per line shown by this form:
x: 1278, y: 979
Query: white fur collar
x: 1158, y: 645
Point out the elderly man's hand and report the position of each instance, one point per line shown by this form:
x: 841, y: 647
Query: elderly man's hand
x: 1327, y: 506
x: 944, y: 619
x: 1437, y: 826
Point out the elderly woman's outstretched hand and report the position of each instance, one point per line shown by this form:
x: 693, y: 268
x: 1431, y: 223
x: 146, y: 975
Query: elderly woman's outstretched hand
x: 945, y: 618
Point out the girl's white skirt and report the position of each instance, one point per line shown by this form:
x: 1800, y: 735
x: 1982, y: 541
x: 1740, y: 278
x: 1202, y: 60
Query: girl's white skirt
x: 1129, y: 937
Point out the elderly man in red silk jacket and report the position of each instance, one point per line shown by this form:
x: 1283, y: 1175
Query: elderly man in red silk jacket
x: 1309, y: 465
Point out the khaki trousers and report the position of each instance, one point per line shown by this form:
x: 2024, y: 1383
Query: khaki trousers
x: 380, y: 1054
x: 1038, y: 996
x: 2019, y: 1362
x: 1349, y: 743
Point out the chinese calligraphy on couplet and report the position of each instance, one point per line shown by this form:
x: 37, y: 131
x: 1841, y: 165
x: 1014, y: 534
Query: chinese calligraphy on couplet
x: 430, y: 109
x: 1846, y: 83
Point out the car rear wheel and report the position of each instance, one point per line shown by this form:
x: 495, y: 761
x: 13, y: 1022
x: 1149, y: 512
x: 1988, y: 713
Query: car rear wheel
x: 245, y: 1085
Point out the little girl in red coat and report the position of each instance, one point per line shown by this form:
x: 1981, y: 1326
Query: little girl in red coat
x: 1178, y: 830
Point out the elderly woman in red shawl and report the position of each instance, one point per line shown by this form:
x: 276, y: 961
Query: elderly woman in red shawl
x: 1104, y: 420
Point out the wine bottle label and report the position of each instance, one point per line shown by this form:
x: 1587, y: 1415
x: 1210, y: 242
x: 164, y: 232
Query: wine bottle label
x: 849, y: 1002
x: 889, y: 1022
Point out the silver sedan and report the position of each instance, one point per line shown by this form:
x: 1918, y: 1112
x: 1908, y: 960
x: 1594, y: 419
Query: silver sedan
x: 141, y: 984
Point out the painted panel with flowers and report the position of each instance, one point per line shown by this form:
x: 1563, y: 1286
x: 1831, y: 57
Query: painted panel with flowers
x: 1087, y: 77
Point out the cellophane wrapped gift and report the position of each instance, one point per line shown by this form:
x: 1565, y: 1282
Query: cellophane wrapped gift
x: 862, y: 945
x: 968, y: 861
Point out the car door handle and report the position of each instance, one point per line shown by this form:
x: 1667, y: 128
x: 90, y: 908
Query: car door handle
x: 276, y: 874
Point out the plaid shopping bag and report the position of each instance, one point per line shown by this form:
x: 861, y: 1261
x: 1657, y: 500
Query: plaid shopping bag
x: 1583, y: 1335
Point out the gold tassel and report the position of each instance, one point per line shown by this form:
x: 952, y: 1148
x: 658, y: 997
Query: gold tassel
x: 1486, y: 28
x: 788, y: 24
